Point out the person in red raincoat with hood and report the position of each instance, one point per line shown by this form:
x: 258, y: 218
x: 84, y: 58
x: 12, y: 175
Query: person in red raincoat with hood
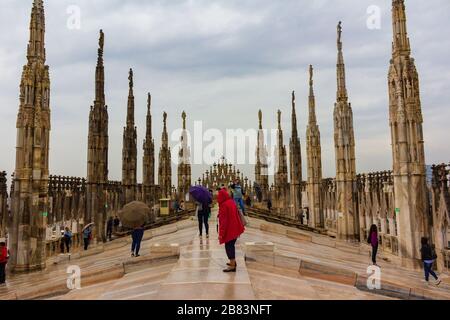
x: 230, y: 226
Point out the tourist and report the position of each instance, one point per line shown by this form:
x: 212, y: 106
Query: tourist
x: 109, y: 228
x: 136, y: 236
x: 87, y: 236
x: 203, y: 212
x: 67, y: 239
x: 428, y: 258
x: 61, y: 242
x: 116, y: 224
x: 3, y: 260
x: 269, y: 205
x: 182, y: 206
x: 248, y: 201
x: 230, y: 227
x: 373, y: 241
x: 238, y: 194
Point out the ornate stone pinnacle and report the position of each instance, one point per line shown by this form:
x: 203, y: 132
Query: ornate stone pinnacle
x: 149, y: 100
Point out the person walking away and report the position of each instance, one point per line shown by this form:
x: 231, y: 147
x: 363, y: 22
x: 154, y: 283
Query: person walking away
x: 109, y: 228
x: 87, y: 236
x: 269, y: 205
x: 136, y: 236
x: 67, y: 239
x: 238, y: 195
x: 428, y: 258
x: 373, y: 241
x: 61, y: 242
x: 3, y: 260
x: 116, y: 224
x: 203, y: 211
x: 230, y: 227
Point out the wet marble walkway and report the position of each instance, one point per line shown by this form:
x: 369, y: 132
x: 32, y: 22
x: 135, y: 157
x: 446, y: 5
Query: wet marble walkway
x: 199, y: 275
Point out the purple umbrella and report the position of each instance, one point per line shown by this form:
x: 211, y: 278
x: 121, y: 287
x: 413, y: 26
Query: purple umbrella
x: 201, y: 194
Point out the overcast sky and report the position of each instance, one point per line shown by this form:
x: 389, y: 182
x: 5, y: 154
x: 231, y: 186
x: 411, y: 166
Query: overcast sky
x: 222, y: 60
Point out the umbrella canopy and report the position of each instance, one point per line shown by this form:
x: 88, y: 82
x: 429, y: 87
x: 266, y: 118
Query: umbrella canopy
x: 135, y: 214
x: 87, y: 226
x: 201, y: 194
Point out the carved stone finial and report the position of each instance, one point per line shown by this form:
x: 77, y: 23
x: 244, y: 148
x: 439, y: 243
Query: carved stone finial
x: 165, y: 118
x: 311, y: 73
x: 149, y: 101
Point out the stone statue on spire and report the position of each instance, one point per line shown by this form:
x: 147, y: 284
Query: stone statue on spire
x: 183, y: 116
x: 130, y: 78
x: 279, y: 119
x: 339, y: 31
x: 260, y: 115
x: 101, y: 40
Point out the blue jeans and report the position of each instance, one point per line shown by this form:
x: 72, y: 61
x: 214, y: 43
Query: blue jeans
x: 136, y: 245
x: 428, y: 270
x: 240, y: 203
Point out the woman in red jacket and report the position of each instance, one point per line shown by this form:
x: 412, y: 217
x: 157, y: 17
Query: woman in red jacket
x: 230, y: 227
x: 3, y: 261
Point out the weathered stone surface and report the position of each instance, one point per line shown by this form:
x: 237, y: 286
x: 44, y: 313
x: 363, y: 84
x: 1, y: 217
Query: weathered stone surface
x: 324, y: 241
x: 165, y: 248
x: 327, y: 272
x: 298, y: 236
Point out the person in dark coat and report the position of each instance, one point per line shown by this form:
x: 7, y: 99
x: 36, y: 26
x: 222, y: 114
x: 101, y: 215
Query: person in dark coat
x: 230, y: 227
x: 3, y: 261
x: 109, y: 228
x: 373, y: 241
x: 116, y: 224
x: 67, y: 239
x: 269, y: 205
x: 87, y: 237
x: 428, y: 258
x: 203, y: 212
x: 136, y: 236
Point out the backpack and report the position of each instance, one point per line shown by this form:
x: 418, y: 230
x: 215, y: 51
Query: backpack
x: 237, y: 192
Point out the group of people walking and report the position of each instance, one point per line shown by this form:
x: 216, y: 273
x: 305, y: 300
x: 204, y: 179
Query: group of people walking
x: 428, y: 254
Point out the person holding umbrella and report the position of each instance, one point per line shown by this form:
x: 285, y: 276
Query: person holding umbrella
x: 87, y: 235
x: 136, y: 236
x: 203, y: 198
x: 134, y: 216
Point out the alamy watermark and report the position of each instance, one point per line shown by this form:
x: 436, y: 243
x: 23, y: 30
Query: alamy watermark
x: 374, y: 279
x: 74, y: 279
x: 74, y: 17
